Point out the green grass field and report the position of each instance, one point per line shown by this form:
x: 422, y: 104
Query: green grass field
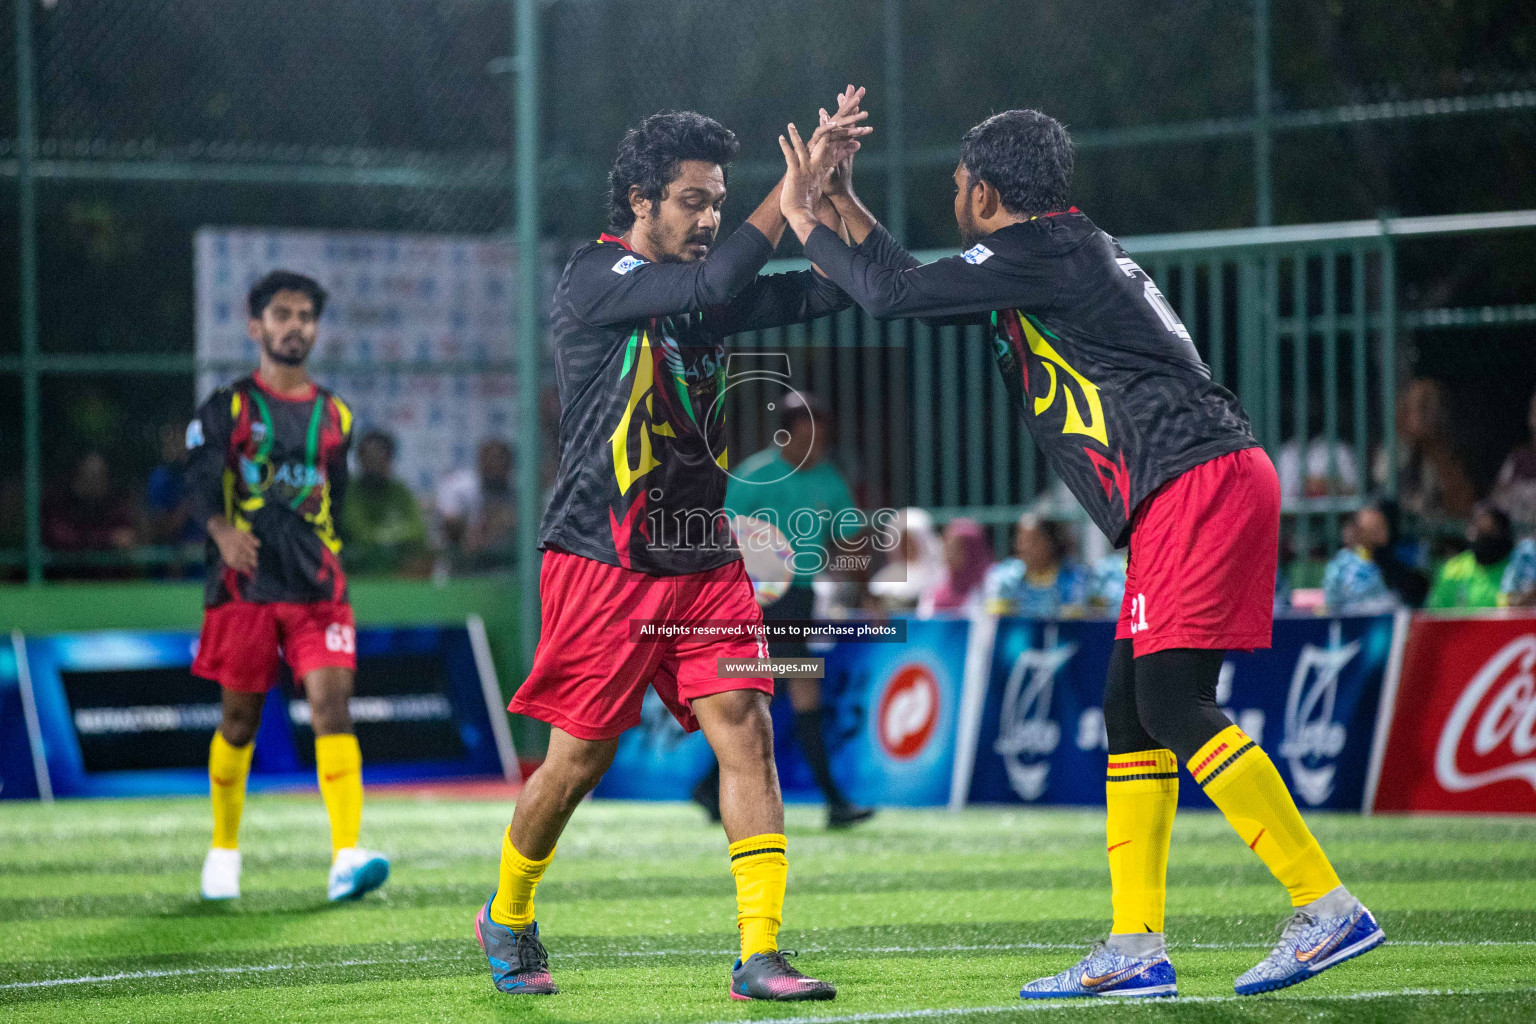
x: 918, y: 916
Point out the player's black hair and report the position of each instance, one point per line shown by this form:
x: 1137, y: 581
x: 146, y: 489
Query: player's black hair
x: 284, y: 281
x: 1057, y: 534
x: 1060, y: 537
x: 648, y: 156
x: 1025, y: 155
x: 377, y: 436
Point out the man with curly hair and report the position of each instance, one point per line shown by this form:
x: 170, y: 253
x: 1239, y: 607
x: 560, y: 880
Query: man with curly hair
x: 635, y: 529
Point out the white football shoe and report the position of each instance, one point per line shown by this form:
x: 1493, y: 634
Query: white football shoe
x: 221, y: 874
x: 356, y: 872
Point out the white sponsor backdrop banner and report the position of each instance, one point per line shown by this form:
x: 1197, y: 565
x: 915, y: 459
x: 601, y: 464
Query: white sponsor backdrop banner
x: 395, y: 300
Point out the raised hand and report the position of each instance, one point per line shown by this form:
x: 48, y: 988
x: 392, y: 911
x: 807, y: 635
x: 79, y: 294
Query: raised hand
x: 840, y: 178
x: 808, y: 164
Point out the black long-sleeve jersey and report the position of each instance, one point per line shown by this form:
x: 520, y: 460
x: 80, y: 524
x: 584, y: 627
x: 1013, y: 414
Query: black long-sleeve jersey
x: 641, y: 368
x: 1100, y: 368
x: 276, y: 466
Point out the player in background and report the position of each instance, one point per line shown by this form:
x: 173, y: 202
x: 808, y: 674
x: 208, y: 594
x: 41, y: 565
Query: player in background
x: 636, y: 530
x: 1111, y: 387
x: 267, y: 473
x: 795, y: 474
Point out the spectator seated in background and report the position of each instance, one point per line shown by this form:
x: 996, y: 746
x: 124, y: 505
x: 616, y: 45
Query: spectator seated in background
x: 1367, y: 574
x: 478, y: 510
x: 1106, y: 584
x: 966, y: 560
x: 915, y: 565
x: 1309, y: 475
x: 1432, y: 480
x: 1514, y: 493
x: 1042, y: 581
x: 170, y: 514
x: 1518, y: 588
x: 1475, y: 578
x: 88, y: 512
x: 381, y: 524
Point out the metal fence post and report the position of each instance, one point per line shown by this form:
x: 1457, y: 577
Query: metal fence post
x: 1389, y: 358
x: 891, y: 124
x: 1262, y: 182
x: 529, y: 333
x: 31, y: 386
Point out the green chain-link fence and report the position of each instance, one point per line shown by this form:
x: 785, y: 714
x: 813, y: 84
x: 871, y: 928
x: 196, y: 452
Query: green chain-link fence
x: 127, y: 125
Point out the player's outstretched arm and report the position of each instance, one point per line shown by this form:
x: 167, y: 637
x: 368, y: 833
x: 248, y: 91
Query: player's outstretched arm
x: 860, y: 225
x: 843, y: 126
x: 945, y: 288
x: 604, y: 288
x: 774, y: 300
x: 609, y: 286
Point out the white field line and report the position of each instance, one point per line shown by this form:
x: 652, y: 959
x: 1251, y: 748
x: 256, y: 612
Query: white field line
x: 1000, y: 947
x: 1024, y: 1006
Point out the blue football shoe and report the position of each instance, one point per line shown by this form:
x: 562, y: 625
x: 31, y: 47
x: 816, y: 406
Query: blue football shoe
x: 1327, y: 932
x: 519, y: 963
x: 1105, y: 972
x: 356, y: 872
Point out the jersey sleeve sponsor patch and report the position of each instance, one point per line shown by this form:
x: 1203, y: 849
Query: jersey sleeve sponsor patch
x: 977, y: 253
x: 194, y: 434
x: 627, y: 264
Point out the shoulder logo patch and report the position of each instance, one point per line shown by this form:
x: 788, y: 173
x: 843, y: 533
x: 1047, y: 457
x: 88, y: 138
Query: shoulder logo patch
x: 194, y: 434
x: 977, y: 254
x: 627, y: 264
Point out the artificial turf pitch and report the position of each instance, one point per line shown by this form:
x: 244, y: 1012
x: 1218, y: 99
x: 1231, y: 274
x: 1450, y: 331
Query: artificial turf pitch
x: 919, y: 915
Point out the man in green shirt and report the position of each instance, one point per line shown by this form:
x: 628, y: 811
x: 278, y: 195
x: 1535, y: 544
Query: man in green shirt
x: 381, y: 523
x: 1473, y: 578
x: 794, y: 486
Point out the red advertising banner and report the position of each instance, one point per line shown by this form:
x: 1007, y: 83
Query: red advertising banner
x: 1463, y: 728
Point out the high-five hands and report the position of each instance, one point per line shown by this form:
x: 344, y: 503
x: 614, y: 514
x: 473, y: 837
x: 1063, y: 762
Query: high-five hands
x: 840, y: 178
x: 822, y: 169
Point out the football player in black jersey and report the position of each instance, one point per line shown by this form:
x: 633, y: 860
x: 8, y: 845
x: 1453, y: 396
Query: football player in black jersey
x: 636, y: 529
x: 1108, y: 382
x: 267, y: 474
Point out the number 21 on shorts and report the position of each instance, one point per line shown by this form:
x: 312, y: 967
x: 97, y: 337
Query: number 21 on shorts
x: 1138, y: 613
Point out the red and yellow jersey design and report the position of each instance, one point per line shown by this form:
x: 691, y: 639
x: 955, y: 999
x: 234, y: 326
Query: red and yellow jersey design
x: 274, y: 465
x: 640, y: 361
x: 1104, y: 375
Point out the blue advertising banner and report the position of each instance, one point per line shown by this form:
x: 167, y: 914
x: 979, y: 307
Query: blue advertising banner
x: 121, y: 714
x: 891, y: 712
x: 895, y: 712
x: 656, y: 760
x: 1310, y: 701
x: 18, y: 776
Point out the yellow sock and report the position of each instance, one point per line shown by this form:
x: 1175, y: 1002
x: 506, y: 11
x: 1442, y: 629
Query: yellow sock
x: 513, y: 905
x: 761, y: 871
x: 1141, y: 793
x: 339, y: 765
x: 228, y: 767
x: 1241, y: 780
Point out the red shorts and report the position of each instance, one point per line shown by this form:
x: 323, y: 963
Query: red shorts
x: 242, y: 642
x: 589, y: 676
x: 1203, y: 552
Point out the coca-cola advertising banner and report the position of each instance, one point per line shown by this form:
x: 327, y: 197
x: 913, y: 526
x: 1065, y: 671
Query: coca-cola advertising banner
x: 1311, y: 701
x: 1462, y: 736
